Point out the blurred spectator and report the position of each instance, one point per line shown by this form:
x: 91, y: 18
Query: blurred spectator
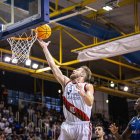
x: 99, y: 132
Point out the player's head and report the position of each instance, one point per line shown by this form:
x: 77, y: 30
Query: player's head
x: 99, y: 131
x: 137, y: 105
x: 83, y: 71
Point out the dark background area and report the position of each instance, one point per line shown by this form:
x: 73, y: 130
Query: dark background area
x: 20, y: 82
x: 118, y: 109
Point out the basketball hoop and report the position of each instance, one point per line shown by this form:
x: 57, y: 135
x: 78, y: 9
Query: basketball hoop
x: 21, y: 46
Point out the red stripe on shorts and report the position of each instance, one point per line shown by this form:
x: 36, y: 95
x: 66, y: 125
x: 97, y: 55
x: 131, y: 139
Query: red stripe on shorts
x: 90, y: 131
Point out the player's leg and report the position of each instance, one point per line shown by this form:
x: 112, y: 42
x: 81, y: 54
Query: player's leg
x: 63, y: 135
x: 64, y: 132
x: 85, y: 132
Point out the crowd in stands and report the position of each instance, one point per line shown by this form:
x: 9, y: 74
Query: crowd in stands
x: 37, y: 123
x: 29, y: 123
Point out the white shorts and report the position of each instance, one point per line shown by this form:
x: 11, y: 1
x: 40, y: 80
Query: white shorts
x: 76, y: 131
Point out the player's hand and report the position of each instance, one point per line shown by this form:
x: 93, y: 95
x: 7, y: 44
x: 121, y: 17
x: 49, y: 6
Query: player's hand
x: 43, y: 44
x: 113, y: 128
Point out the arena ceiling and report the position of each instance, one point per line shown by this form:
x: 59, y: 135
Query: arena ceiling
x: 122, y: 20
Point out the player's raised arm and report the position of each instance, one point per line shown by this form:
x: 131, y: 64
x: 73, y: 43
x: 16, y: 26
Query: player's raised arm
x: 56, y: 71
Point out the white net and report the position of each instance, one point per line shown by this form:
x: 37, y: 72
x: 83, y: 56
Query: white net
x: 21, y: 46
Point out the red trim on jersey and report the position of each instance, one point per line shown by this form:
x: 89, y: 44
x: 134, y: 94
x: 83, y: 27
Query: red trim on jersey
x: 67, y: 83
x: 90, y: 131
x: 76, y: 112
x: 85, y: 88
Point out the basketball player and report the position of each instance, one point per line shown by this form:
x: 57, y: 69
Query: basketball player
x: 77, y: 100
x: 132, y: 130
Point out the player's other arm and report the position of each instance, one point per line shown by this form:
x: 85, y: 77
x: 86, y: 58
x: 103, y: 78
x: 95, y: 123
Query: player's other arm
x: 88, y: 96
x: 125, y: 135
x: 56, y: 71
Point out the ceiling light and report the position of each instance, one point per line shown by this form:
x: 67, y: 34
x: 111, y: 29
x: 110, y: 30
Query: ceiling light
x: 47, y: 68
x: 125, y: 88
x: 7, y: 59
x: 15, y: 61
x: 1, y: 27
x: 28, y: 62
x: 59, y: 91
x: 107, y: 8
x: 35, y: 66
x: 112, y: 84
x: 90, y: 8
x: 107, y: 101
x: 43, y: 69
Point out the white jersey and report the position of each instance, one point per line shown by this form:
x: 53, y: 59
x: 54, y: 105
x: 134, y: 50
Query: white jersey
x: 74, y: 107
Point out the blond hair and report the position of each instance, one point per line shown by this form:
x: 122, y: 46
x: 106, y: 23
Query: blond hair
x: 88, y: 73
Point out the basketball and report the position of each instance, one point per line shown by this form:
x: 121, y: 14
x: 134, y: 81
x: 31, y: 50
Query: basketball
x: 44, y: 31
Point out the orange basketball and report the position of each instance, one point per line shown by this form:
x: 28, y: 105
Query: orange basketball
x: 44, y: 31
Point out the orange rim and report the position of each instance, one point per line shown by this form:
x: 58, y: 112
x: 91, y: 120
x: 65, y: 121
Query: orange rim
x: 21, y: 38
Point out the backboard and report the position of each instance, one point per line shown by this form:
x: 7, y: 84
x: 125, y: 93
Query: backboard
x: 20, y: 15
